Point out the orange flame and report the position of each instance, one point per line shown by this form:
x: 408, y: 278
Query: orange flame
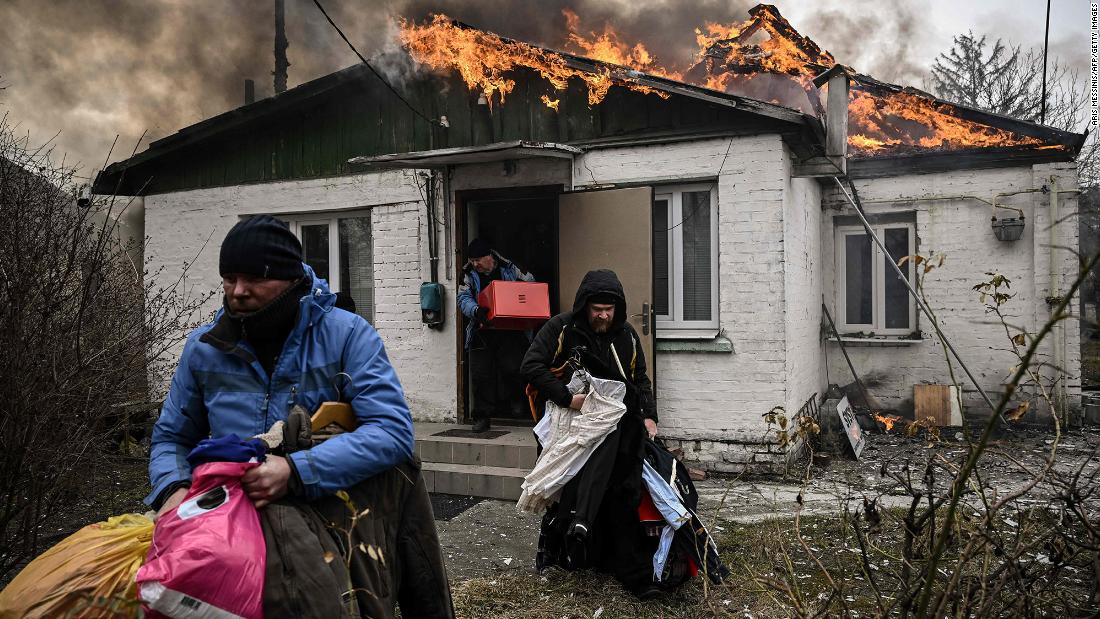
x: 887, y: 420
x: 484, y: 61
x: 609, y: 47
x: 763, y: 58
x: 906, y: 119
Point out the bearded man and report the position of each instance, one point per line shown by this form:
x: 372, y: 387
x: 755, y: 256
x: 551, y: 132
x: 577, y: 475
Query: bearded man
x: 595, y: 522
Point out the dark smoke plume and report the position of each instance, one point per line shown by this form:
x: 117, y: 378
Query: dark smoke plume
x: 92, y: 70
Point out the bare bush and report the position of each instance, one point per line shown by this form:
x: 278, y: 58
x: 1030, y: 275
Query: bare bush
x: 959, y: 544
x: 82, y: 341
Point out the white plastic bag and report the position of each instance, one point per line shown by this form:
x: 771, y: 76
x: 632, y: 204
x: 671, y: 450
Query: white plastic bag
x: 570, y: 437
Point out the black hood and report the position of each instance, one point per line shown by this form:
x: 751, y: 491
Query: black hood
x: 601, y: 281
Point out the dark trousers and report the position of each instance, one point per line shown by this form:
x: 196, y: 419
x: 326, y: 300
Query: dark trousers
x: 394, y: 558
x: 495, y: 356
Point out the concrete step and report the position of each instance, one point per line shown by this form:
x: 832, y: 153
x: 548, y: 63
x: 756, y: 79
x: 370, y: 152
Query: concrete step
x: 515, y: 449
x: 475, y: 465
x: 448, y: 450
x: 493, y: 482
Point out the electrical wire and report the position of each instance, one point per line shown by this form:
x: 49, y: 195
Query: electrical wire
x: 853, y: 199
x: 697, y: 207
x: 372, y: 69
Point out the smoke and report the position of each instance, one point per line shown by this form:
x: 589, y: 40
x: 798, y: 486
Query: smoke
x: 875, y: 38
x: 94, y: 70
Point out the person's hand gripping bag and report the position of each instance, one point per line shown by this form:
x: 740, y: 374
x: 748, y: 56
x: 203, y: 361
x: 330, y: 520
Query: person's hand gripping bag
x: 208, y: 555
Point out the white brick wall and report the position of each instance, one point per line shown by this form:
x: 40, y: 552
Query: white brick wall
x: 802, y: 268
x: 180, y: 224
x: 713, y: 402
x: 775, y: 261
x: 960, y: 229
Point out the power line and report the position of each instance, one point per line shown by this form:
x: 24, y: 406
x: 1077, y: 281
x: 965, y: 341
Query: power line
x: 372, y: 69
x: 1046, y: 43
x: 698, y: 208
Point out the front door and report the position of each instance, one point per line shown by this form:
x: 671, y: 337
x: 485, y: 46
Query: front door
x: 610, y: 229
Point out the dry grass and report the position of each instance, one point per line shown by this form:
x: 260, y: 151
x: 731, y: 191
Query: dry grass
x: 769, y: 569
x: 747, y: 550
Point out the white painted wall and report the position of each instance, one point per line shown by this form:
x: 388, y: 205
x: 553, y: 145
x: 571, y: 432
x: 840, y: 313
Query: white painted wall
x: 712, y: 403
x: 960, y: 229
x: 186, y: 228
x: 775, y: 261
x: 802, y: 284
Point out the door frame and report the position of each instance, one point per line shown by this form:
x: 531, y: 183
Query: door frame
x: 461, y: 200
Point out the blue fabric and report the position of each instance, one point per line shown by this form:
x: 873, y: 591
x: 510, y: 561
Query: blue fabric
x: 229, y: 448
x: 672, y: 509
x: 215, y: 394
x: 470, y: 288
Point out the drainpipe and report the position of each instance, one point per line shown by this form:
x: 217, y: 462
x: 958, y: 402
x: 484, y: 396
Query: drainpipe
x: 433, y: 252
x: 448, y: 242
x: 1053, y: 297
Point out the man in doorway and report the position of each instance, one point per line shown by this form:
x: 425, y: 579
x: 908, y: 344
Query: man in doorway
x: 272, y: 354
x: 595, y: 523
x: 494, y: 355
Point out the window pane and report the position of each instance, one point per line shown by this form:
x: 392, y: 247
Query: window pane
x: 315, y: 248
x: 897, y: 296
x: 357, y: 264
x: 696, y: 225
x: 660, y: 257
x: 857, y: 279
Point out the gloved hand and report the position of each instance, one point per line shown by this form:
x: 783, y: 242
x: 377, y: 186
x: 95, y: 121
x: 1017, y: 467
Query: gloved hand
x: 482, y: 316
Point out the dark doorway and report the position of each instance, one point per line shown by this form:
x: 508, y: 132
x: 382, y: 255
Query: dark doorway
x: 520, y: 225
x: 523, y: 230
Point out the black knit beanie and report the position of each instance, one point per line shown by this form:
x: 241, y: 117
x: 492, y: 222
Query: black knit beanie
x: 477, y: 249
x: 261, y: 246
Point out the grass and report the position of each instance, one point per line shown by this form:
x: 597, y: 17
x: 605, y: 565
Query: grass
x: 749, y: 551
x: 772, y: 576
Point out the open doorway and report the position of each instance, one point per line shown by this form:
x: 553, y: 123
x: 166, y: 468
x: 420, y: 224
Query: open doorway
x: 520, y: 225
x: 559, y: 236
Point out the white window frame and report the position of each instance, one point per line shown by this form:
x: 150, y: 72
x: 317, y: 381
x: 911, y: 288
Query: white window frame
x: 672, y: 325
x: 295, y: 221
x: 878, y: 281
x: 296, y: 224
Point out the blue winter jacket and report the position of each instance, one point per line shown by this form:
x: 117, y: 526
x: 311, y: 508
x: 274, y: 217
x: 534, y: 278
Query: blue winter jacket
x: 218, y: 391
x: 471, y: 288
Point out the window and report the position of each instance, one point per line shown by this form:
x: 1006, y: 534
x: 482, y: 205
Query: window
x: 685, y: 261
x: 339, y: 248
x: 870, y: 297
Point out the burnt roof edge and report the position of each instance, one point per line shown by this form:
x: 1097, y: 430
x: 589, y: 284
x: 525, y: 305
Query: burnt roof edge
x: 1069, y: 139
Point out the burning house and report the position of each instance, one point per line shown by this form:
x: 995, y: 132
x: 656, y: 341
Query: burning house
x: 710, y: 190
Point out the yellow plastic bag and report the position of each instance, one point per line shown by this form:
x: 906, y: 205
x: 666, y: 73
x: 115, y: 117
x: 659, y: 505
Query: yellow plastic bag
x: 88, y: 574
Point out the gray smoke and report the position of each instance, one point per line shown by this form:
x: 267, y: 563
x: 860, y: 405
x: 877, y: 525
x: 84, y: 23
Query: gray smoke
x: 92, y: 70
x: 876, y: 39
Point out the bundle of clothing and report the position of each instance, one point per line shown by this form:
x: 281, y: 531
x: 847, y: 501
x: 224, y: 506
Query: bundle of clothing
x: 612, y: 499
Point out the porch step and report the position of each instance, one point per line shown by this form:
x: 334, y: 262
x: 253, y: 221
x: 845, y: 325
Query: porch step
x: 492, y: 482
x: 475, y: 465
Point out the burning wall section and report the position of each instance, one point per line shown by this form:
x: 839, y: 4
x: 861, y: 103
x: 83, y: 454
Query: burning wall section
x: 762, y: 58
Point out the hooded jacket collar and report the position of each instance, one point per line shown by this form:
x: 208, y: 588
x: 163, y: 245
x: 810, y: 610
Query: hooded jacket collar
x: 600, y: 281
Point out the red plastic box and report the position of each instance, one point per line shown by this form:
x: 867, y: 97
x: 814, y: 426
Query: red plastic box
x: 516, y: 305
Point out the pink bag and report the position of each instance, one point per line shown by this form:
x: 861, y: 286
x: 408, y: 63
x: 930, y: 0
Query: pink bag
x: 208, y: 555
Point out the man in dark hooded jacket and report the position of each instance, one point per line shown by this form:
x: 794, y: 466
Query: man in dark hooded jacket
x: 595, y: 522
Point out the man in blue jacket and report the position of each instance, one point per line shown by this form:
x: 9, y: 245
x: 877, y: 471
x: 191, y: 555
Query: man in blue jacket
x: 494, y: 355
x: 273, y: 352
